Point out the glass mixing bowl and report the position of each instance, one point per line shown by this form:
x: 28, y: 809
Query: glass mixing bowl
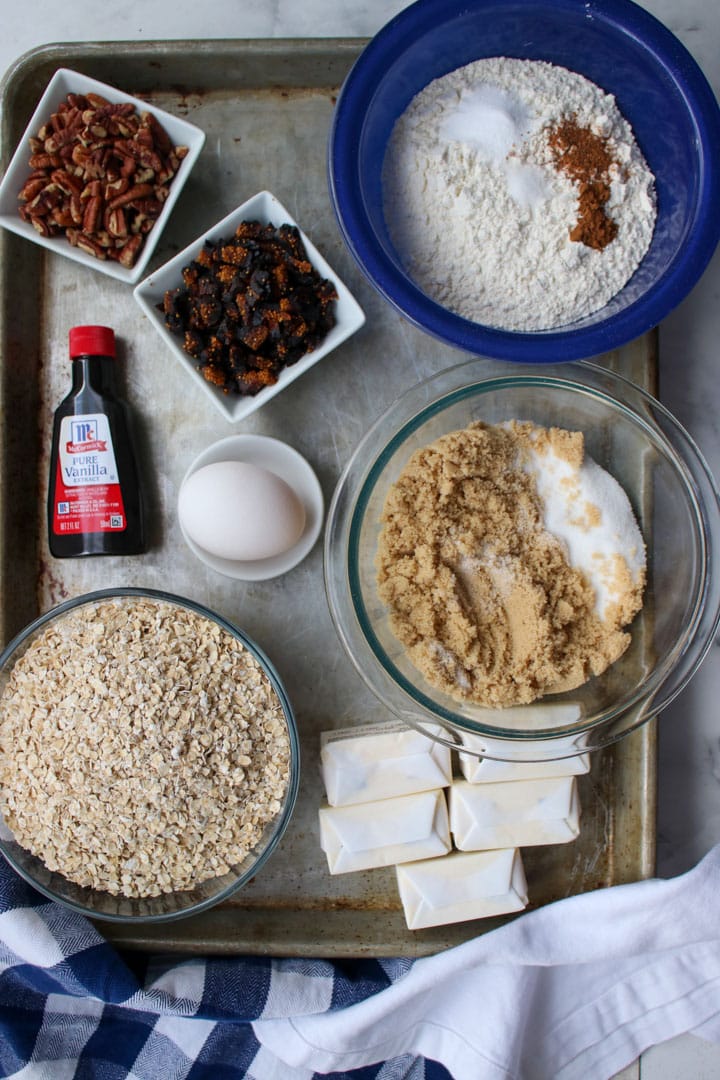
x: 676, y: 504
x: 97, y: 903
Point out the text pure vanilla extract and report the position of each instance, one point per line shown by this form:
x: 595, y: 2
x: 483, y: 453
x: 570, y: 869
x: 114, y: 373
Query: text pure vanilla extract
x: 94, y: 495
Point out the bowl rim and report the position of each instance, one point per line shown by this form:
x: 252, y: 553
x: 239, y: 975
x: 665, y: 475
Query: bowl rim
x: 645, y: 698
x: 563, y: 343
x: 268, y: 667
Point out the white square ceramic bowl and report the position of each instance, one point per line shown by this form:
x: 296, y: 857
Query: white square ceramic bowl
x: 266, y: 209
x: 65, y: 82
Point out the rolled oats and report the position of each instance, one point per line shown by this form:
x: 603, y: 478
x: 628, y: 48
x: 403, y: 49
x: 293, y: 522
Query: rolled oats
x: 143, y: 748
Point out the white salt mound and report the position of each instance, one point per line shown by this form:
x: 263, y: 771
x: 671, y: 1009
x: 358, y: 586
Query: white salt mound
x: 589, y: 510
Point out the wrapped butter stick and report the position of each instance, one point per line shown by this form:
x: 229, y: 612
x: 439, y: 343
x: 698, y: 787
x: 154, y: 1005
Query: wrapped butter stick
x: 559, y: 756
x: 518, y: 813
x: 462, y: 886
x: 380, y: 761
x: 385, y: 832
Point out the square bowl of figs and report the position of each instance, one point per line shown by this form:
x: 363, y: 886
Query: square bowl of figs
x: 249, y: 306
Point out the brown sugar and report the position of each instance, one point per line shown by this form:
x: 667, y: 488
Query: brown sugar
x: 479, y: 592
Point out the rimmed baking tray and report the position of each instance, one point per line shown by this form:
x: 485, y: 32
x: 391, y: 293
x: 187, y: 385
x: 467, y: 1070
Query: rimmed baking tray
x: 266, y: 107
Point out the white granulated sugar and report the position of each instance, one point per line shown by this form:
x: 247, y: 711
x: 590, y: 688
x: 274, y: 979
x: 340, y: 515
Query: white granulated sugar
x: 588, y: 509
x: 480, y: 215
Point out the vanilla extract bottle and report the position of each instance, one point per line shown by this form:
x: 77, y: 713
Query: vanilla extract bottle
x: 94, y: 495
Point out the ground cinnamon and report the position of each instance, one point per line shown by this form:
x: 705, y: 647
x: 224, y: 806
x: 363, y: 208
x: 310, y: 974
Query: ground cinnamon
x: 586, y: 158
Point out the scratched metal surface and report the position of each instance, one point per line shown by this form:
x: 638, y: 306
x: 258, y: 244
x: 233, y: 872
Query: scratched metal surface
x: 266, y: 107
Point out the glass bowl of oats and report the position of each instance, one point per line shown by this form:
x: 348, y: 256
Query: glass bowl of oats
x: 149, y: 758
x: 526, y: 559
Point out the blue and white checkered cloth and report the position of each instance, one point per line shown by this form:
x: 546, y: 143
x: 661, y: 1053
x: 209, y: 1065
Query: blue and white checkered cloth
x: 70, y: 1007
x: 575, y: 990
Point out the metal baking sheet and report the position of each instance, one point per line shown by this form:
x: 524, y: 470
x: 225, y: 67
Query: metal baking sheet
x: 266, y: 107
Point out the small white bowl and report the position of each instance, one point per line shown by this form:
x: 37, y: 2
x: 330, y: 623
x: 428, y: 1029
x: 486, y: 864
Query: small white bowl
x: 64, y: 82
x: 279, y: 458
x: 266, y: 209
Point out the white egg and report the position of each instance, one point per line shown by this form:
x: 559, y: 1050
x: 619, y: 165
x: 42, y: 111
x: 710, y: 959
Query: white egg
x: 239, y: 511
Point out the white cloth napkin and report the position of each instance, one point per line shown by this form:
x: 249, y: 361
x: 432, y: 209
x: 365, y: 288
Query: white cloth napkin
x: 572, y: 991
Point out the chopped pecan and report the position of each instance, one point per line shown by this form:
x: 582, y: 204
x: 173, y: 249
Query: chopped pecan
x: 97, y: 101
x: 137, y: 191
x: 116, y: 222
x: 31, y: 189
x: 44, y: 161
x: 158, y: 132
x: 90, y: 245
x: 41, y: 225
x: 62, y: 217
x: 68, y: 183
x: 75, y: 207
x: 127, y: 254
x: 92, y: 214
x: 144, y: 176
x: 115, y: 187
x: 148, y: 207
x: 128, y: 164
x: 100, y: 176
x: 64, y: 136
x: 92, y: 190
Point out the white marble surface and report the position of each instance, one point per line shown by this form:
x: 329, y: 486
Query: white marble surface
x: 689, y: 766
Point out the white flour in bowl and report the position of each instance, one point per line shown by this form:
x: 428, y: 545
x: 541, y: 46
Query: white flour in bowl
x: 516, y: 194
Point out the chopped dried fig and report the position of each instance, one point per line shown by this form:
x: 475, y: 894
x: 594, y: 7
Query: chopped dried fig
x: 250, y: 306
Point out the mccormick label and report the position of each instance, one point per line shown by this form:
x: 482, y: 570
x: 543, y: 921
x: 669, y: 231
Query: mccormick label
x: 88, y: 498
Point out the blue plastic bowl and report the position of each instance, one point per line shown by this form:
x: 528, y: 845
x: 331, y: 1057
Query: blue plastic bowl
x: 660, y: 90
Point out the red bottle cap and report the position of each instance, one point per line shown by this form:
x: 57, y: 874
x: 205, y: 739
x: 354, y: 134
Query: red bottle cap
x: 91, y: 341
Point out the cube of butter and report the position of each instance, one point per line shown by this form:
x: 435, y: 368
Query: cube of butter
x: 381, y: 761
x: 517, y: 813
x: 462, y: 886
x: 385, y: 832
x: 478, y: 768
